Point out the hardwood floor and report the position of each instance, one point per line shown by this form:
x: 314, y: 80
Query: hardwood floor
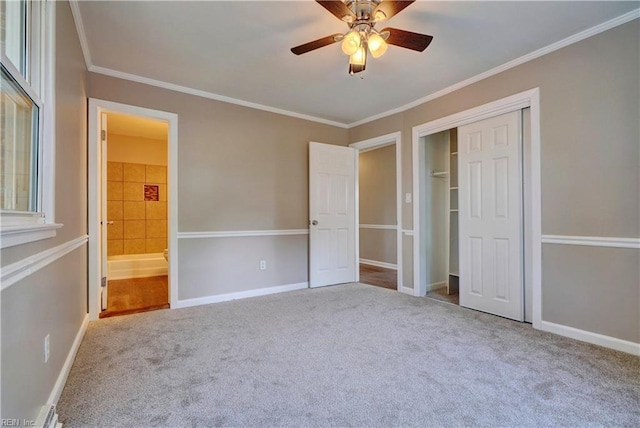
x: 130, y: 296
x: 380, y: 277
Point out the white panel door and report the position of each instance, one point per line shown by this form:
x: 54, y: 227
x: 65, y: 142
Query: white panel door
x: 332, y: 206
x: 490, y: 215
x: 104, y: 221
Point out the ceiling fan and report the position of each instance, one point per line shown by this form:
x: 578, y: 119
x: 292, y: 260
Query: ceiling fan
x: 362, y: 16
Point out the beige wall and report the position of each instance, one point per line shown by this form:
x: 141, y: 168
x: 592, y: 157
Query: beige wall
x: 53, y: 300
x: 590, y: 156
x: 239, y: 169
x: 377, y: 193
x: 592, y: 288
x: 124, y: 148
x: 377, y: 175
x: 379, y: 245
x: 212, y: 266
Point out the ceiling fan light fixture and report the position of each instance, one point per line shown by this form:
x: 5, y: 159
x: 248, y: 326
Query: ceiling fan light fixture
x: 379, y: 16
x: 377, y: 45
x: 358, y: 61
x: 351, y: 42
x: 347, y: 18
x: 362, y: 38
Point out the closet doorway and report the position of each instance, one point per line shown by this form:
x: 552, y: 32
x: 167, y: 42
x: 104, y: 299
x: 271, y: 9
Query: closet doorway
x: 439, y: 199
x: 476, y: 184
x: 472, y: 218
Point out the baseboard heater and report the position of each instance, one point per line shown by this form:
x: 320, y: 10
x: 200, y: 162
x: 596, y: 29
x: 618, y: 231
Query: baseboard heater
x: 48, y: 417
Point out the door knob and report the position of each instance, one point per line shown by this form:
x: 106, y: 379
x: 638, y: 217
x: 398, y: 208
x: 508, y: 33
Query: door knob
x: 314, y: 222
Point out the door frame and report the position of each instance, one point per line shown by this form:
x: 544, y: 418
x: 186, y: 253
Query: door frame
x: 372, y: 144
x: 96, y: 108
x: 531, y: 196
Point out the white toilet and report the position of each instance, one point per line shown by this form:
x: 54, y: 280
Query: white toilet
x: 165, y: 253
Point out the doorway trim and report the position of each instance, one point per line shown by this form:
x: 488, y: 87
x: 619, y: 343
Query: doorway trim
x: 96, y: 107
x: 371, y: 144
x: 531, y: 171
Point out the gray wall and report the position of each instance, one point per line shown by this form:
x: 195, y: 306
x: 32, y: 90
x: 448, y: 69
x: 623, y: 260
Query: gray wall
x: 239, y: 169
x: 590, y: 161
x: 377, y: 193
x: 53, y: 300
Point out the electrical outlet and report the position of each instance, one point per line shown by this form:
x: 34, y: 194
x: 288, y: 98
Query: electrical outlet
x: 46, y: 348
x: 407, y: 198
x: 263, y: 265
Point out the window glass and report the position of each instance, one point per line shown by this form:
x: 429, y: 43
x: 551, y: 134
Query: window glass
x: 18, y: 147
x: 13, y: 24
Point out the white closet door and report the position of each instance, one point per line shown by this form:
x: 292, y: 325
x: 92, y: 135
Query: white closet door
x: 491, y: 241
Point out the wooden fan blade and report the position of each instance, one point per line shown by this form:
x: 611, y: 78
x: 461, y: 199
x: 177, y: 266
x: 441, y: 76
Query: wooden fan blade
x: 407, y: 39
x: 338, y: 9
x: 390, y: 8
x: 316, y: 44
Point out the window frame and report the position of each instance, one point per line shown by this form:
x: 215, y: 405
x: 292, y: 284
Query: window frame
x: 20, y: 227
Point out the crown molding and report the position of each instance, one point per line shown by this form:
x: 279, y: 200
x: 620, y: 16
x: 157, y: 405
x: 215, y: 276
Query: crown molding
x: 612, y: 23
x: 209, y: 95
x: 622, y: 19
x: 77, y: 19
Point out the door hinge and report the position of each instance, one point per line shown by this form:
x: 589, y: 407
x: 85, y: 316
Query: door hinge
x: 103, y: 283
x: 103, y: 135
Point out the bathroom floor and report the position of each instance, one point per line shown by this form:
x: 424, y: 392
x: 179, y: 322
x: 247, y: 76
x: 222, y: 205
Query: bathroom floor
x: 129, y: 296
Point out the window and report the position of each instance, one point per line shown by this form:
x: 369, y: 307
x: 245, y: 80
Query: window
x: 19, y: 119
x: 26, y: 121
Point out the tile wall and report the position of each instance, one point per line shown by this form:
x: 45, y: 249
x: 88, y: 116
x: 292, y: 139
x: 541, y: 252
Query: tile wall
x: 139, y: 225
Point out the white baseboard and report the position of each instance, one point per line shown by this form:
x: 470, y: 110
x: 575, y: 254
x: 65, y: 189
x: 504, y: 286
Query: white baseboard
x: 593, y: 338
x: 379, y: 264
x: 406, y: 290
x: 436, y: 286
x: 239, y: 295
x: 66, y: 368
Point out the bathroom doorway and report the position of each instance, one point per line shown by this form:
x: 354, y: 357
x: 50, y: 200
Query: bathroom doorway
x: 136, y: 204
x: 132, y: 209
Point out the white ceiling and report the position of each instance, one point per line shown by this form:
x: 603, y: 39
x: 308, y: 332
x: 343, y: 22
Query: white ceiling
x: 240, y: 49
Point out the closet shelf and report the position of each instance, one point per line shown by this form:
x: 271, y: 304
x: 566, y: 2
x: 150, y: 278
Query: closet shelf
x: 454, y: 153
x: 454, y: 274
x: 454, y: 211
x: 453, y: 188
x: 439, y: 173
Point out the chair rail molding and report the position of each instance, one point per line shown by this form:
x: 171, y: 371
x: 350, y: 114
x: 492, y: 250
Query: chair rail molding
x: 379, y: 226
x: 15, y: 272
x: 240, y: 233
x: 592, y: 241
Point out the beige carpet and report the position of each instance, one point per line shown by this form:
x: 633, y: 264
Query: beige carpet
x: 350, y: 355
